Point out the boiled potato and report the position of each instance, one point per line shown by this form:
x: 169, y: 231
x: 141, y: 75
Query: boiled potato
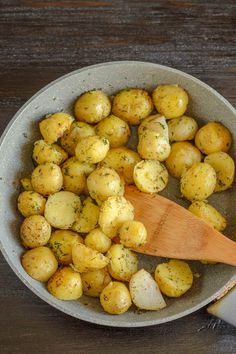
x: 113, y: 213
x: 123, y: 161
x: 85, y: 258
x: 61, y: 208
x: 44, y: 152
x: 95, y: 281
x: 115, y: 298
x: 224, y: 166
x: 98, y: 241
x: 40, y: 263
x: 47, y: 179
x: 72, y: 136
x: 132, y: 105
x: 31, y: 203
x: 92, y: 149
x: 87, y: 218
x: 123, y: 262
x: 26, y: 184
x: 174, y: 278
x: 35, y: 231
x: 156, y: 123
x: 182, y: 156
x: 133, y: 234
x: 209, y: 214
x: 152, y: 146
x: 198, y: 182
x: 170, y: 100
x: 183, y: 128
x: 54, y: 126
x: 114, y: 129
x: 92, y: 106
x: 65, y: 284
x: 213, y: 137
x: 150, y: 176
x: 61, y: 243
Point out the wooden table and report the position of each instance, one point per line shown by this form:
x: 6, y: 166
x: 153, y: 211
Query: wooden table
x: 42, y: 40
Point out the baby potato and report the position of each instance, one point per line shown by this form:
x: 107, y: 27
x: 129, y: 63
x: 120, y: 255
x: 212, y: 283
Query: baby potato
x: 170, y: 100
x: 61, y: 243
x: 35, y: 231
x: 87, y: 218
x: 183, y: 128
x: 113, y: 213
x: 92, y: 149
x: 40, y: 263
x: 92, y: 106
x: 150, y: 176
x: 47, y: 179
x: 98, y: 241
x: 95, y: 281
x: 213, y: 137
x: 224, y: 167
x: 156, y: 123
x: 174, y: 278
x: 86, y: 259
x: 54, y: 126
x: 182, y: 156
x: 152, y: 146
x: 123, y: 262
x: 26, y: 184
x: 44, y: 152
x: 115, y: 298
x: 132, y: 105
x: 133, y: 234
x: 122, y: 160
x: 209, y: 214
x: 61, y: 208
x: 65, y: 284
x: 198, y: 182
x: 31, y: 203
x: 77, y: 131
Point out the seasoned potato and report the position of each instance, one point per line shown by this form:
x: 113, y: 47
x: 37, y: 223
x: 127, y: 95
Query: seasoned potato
x: 132, y: 105
x: 35, y: 231
x: 182, y: 156
x: 133, y: 234
x: 152, y: 146
x: 170, y: 100
x: 92, y: 149
x: 150, y: 176
x: 61, y: 243
x: 92, y: 106
x: 98, y: 241
x: 123, y: 161
x: 114, y: 129
x: 115, y: 298
x: 61, y: 208
x: 85, y: 258
x: 87, y: 219
x: 198, y: 182
x: 209, y: 214
x: 95, y: 281
x: 31, y: 203
x: 113, y: 213
x: 26, y: 184
x: 72, y: 136
x: 47, y: 179
x: 213, y: 137
x: 44, y: 152
x: 224, y: 166
x: 123, y: 262
x: 40, y: 263
x: 174, y: 278
x: 183, y: 128
x: 54, y: 126
x: 65, y: 284
x: 156, y: 123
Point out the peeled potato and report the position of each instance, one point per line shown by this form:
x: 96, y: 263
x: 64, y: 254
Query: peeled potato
x: 87, y: 218
x: 115, y: 298
x: 98, y: 241
x: 85, y: 258
x: 123, y: 262
x: 54, y: 126
x: 95, y: 281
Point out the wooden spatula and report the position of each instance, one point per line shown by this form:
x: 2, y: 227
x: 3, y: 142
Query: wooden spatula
x: 174, y: 232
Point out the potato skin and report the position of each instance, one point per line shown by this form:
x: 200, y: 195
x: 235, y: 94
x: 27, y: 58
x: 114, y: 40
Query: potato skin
x: 98, y: 241
x: 43, y: 152
x: 95, y: 281
x: 35, y: 231
x: 183, y: 128
x: 152, y: 146
x: 92, y: 149
x: 31, y: 203
x: 47, y: 179
x: 133, y: 234
x: 123, y: 262
x: 156, y: 123
x: 115, y: 298
x: 40, y: 263
x: 209, y: 214
x: 54, y: 126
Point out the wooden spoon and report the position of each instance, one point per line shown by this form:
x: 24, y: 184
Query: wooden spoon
x: 174, y: 232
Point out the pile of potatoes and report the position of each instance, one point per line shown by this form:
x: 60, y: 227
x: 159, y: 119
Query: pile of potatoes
x: 74, y: 205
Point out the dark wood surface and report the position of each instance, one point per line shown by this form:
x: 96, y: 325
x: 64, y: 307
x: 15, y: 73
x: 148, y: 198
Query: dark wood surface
x: 42, y: 40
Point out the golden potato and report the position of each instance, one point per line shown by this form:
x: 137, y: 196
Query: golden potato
x: 152, y: 146
x: 123, y: 262
x: 35, y: 231
x: 92, y: 149
x: 92, y: 106
x: 47, y: 179
x: 26, y: 184
x: 87, y: 219
x: 31, y: 203
x: 132, y: 234
x: 182, y: 156
x: 54, y: 126
x: 170, y: 100
x: 95, y: 281
x: 213, y: 137
x: 209, y: 214
x: 132, y: 105
x: 156, y: 123
x: 85, y: 258
x: 44, y: 152
x: 183, y: 128
x: 98, y: 241
x: 115, y: 298
x: 40, y: 263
